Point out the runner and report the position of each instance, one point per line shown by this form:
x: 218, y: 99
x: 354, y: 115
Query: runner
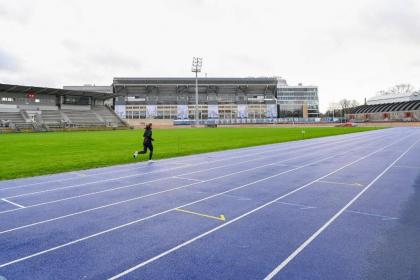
x: 147, y: 142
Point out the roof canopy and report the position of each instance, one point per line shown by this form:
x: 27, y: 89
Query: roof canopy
x: 191, y: 81
x: 386, y: 107
x: 54, y: 91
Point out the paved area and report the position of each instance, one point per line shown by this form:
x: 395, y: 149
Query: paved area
x: 342, y: 207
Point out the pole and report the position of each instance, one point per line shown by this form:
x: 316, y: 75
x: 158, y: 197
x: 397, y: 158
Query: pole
x: 196, y: 98
x: 196, y: 67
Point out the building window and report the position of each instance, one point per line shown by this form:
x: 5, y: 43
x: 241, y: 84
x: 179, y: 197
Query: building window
x: 7, y: 99
x: 37, y: 100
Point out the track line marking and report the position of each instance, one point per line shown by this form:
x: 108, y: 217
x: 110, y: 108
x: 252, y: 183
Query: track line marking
x: 135, y: 168
x: 132, y: 185
x: 143, y: 219
x: 185, y: 205
x: 287, y: 165
x: 384, y: 218
x: 78, y: 185
x: 13, y: 203
x: 169, y: 169
x: 407, y: 166
x: 156, y: 193
x: 125, y: 201
x: 191, y: 179
x: 220, y: 218
x: 242, y: 216
x: 237, y: 197
x: 302, y: 206
x: 333, y: 218
x: 309, y: 145
x: 341, y: 183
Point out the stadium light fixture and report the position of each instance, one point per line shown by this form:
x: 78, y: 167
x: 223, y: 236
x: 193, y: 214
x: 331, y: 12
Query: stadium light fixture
x: 196, y: 68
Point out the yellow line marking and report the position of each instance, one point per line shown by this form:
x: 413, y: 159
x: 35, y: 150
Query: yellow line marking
x: 220, y: 218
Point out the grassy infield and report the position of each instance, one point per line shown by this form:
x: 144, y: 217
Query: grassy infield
x: 29, y: 154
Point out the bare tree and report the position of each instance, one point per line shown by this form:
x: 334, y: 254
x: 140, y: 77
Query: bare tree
x: 344, y: 103
x: 398, y: 89
x: 354, y: 103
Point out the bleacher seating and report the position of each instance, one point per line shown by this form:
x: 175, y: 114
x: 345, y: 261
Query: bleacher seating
x: 52, y: 118
x: 15, y: 119
x: 99, y: 116
x: 83, y: 118
x: 108, y: 116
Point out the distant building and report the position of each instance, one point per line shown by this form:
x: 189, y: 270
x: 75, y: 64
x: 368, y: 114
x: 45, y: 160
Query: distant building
x: 393, y: 98
x: 174, y: 98
x: 298, y: 101
x: 93, y: 88
x: 218, y: 98
x: 388, y: 107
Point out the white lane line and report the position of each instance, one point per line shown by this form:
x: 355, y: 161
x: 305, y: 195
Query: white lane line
x: 276, y: 148
x: 407, y: 166
x: 301, y: 206
x: 151, y: 181
x: 287, y: 165
x: 148, y: 217
x: 112, y: 204
x: 191, y: 203
x: 146, y: 182
x: 13, y: 203
x: 310, y: 147
x: 114, y: 179
x: 341, y: 183
x: 153, y: 194
x: 191, y: 179
x: 384, y: 218
x: 240, y: 217
x: 330, y: 221
x: 136, y: 175
x: 237, y: 197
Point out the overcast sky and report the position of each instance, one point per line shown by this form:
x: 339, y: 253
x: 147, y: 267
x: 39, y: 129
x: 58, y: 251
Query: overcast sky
x: 348, y: 48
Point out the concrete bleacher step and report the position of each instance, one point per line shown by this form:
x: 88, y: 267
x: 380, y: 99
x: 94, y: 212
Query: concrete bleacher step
x: 16, y: 119
x: 108, y: 116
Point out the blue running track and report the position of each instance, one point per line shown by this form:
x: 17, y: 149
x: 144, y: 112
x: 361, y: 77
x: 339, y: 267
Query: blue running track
x: 341, y: 207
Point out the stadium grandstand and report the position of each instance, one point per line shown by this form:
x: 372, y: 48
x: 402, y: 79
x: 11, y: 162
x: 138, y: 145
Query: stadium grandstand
x: 222, y: 100
x: 388, y: 107
x: 44, y: 109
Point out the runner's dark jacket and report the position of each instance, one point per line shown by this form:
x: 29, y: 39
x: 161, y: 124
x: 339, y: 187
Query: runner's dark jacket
x: 147, y: 135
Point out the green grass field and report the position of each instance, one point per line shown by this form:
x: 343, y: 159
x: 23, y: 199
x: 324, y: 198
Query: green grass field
x: 30, y: 154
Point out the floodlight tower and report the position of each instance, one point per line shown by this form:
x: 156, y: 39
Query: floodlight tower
x: 196, y: 68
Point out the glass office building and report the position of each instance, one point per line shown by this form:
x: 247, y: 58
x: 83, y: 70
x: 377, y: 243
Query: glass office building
x: 298, y: 101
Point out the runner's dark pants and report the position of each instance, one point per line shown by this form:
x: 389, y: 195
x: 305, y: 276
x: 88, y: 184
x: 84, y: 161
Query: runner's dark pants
x: 147, y: 145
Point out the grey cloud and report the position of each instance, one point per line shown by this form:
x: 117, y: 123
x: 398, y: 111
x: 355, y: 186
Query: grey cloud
x: 114, y: 60
x: 71, y: 45
x: 8, y: 62
x: 19, y: 11
x: 394, y: 20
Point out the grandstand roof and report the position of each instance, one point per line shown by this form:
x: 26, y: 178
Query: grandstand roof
x: 394, y: 97
x: 386, y: 107
x: 54, y: 91
x: 191, y: 80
